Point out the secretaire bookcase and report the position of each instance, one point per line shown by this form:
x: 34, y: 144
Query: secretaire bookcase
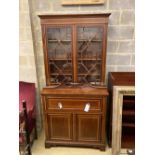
x: 74, y: 99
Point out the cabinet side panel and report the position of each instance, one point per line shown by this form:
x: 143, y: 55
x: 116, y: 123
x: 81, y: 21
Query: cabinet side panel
x: 45, y: 118
x: 103, y: 121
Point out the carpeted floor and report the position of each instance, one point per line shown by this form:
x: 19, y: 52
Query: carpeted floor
x: 39, y: 149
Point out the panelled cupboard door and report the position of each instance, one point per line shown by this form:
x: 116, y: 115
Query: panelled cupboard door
x: 89, y: 127
x: 60, y: 126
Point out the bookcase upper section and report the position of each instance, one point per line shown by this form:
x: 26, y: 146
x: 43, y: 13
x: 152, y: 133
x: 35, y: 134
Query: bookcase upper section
x: 74, y: 48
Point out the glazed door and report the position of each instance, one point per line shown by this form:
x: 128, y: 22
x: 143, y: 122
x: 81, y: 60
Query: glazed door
x: 59, y: 54
x: 60, y: 126
x: 90, y: 53
x: 89, y: 127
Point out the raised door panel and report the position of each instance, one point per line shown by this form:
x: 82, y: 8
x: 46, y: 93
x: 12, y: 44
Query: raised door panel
x: 89, y: 127
x: 60, y: 126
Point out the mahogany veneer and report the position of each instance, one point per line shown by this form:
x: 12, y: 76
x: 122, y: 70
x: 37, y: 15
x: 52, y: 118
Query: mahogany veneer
x: 70, y: 124
x: 75, y: 53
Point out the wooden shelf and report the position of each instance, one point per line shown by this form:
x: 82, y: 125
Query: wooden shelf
x: 132, y: 125
x: 88, y: 59
x: 55, y: 41
x: 128, y: 112
x: 79, y: 59
x: 59, y: 59
x: 128, y: 101
x: 80, y: 74
x: 97, y: 63
x: 55, y: 74
x: 124, y: 124
x: 86, y: 40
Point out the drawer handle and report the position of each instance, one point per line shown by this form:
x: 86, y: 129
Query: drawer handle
x: 60, y: 105
x: 87, y: 107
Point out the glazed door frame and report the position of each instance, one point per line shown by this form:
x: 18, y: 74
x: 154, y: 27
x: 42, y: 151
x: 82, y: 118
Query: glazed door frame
x: 74, y: 50
x: 45, y: 28
x: 103, y: 41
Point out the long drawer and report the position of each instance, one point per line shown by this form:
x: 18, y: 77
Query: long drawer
x: 73, y: 104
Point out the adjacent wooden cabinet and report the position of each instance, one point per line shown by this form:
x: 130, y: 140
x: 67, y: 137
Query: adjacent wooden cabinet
x: 128, y: 109
x: 74, y: 98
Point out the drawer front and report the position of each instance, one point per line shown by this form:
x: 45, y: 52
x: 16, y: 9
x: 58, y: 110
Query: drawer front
x: 85, y: 105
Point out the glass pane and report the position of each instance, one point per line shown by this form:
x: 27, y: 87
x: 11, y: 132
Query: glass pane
x: 59, y: 54
x: 89, y: 53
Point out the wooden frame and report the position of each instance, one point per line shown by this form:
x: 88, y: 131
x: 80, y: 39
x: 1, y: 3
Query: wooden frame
x: 82, y: 2
x: 118, y: 92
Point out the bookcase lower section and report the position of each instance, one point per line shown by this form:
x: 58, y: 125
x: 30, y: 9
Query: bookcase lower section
x: 75, y: 119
